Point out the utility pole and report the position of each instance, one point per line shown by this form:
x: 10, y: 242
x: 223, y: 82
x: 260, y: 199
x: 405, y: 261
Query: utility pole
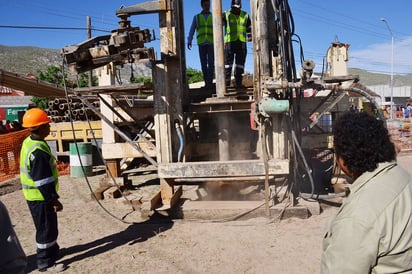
x: 89, y: 35
x: 391, y: 83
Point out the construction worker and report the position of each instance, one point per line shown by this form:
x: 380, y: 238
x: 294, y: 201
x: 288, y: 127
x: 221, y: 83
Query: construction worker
x: 372, y: 230
x: 203, y: 24
x: 39, y: 179
x: 12, y: 257
x: 237, y: 32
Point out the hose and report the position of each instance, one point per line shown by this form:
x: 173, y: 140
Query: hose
x: 266, y: 164
x: 181, y: 140
x: 308, y: 196
x: 312, y: 184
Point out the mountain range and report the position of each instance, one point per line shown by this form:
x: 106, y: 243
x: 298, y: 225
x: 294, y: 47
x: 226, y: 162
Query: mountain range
x: 27, y: 59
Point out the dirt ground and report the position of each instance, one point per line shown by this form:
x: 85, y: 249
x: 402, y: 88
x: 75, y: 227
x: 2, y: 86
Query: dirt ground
x: 92, y: 241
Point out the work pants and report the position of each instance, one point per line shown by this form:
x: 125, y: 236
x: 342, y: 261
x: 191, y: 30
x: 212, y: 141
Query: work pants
x: 235, y: 51
x: 207, y: 61
x: 45, y: 221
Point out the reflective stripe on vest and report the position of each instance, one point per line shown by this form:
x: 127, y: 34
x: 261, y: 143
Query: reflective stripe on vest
x: 204, y: 28
x: 46, y: 245
x: 236, y: 26
x: 30, y: 190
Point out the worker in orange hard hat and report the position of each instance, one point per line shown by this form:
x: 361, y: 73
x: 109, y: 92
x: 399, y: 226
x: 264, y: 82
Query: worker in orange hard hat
x: 39, y: 179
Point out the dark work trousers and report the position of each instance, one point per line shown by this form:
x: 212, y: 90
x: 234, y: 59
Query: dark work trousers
x: 235, y: 51
x: 45, y: 221
x: 207, y: 61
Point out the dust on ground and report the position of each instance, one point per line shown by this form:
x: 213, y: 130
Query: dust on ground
x: 92, y: 241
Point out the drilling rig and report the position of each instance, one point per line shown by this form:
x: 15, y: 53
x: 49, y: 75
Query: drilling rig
x: 276, y: 130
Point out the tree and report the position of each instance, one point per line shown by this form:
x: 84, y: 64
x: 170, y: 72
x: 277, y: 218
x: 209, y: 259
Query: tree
x: 40, y: 102
x: 54, y: 75
x: 145, y: 80
x: 83, y: 81
x: 194, y: 75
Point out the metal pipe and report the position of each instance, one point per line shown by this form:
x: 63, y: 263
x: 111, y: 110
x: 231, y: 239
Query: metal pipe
x: 218, y: 48
x: 263, y: 37
x: 223, y: 121
x: 223, y: 136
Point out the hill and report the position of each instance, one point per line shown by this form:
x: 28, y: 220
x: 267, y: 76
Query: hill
x: 26, y: 59
x: 371, y: 79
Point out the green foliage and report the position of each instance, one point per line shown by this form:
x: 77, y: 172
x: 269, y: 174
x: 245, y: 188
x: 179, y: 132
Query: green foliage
x: 194, y: 75
x: 145, y: 80
x: 53, y: 74
x: 40, y: 102
x: 83, y: 81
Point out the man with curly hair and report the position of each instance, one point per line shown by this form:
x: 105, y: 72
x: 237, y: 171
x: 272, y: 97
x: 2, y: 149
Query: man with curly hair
x: 372, y: 230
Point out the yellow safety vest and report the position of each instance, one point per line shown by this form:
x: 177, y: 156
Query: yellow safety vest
x: 30, y: 190
x: 204, y: 28
x: 236, y: 26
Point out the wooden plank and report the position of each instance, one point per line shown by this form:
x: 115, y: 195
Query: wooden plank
x: 31, y: 86
x: 222, y: 169
x: 83, y: 130
x: 125, y: 150
x: 113, y: 167
x: 151, y: 204
x: 98, y: 193
x: 112, y: 193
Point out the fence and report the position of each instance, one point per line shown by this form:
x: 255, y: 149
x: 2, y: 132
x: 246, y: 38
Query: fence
x: 10, y: 145
x: 400, y: 131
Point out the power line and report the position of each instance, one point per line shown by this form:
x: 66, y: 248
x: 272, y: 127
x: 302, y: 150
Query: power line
x: 49, y: 28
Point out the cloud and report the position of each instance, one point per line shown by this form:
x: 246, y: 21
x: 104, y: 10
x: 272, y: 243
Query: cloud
x: 378, y: 57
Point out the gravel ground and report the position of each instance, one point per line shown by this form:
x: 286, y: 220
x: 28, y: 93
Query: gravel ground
x: 92, y: 241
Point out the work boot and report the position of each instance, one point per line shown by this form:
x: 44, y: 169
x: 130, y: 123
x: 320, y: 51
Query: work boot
x: 239, y: 85
x: 56, y: 268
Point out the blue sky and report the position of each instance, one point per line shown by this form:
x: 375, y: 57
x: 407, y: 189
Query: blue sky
x: 317, y: 22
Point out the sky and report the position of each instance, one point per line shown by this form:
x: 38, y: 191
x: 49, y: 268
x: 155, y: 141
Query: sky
x: 317, y: 23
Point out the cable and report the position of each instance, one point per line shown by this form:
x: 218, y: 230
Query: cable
x: 266, y: 163
x: 227, y: 219
x: 82, y: 166
x: 49, y: 28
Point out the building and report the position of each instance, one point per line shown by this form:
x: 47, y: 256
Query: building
x: 13, y: 104
x: 401, y: 95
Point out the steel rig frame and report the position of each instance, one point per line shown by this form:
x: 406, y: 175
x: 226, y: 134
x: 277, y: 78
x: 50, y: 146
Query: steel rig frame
x: 253, y: 135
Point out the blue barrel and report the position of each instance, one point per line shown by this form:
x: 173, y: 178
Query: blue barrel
x: 84, y: 150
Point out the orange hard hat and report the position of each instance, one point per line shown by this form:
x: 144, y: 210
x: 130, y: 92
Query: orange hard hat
x: 35, y: 117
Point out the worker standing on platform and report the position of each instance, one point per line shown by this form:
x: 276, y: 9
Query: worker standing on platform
x: 203, y: 24
x: 238, y: 30
x: 39, y: 179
